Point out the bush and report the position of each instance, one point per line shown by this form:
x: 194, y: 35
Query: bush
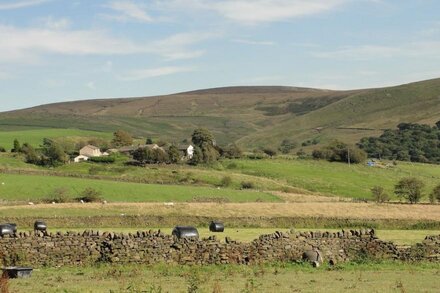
x: 247, y: 185
x: 435, y: 194
x: 58, y: 195
x: 226, y: 181
x: 2, y: 149
x: 379, y: 194
x: 338, y: 151
x: 409, y: 188
x: 270, y: 152
x: 90, y: 195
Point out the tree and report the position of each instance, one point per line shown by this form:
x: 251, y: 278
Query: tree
x: 53, y: 153
x: 379, y: 194
x: 122, y: 138
x: 435, y: 194
x: 149, y: 141
x: 204, y: 140
x: 17, y: 147
x: 232, y: 151
x: 201, y: 137
x: 30, y: 153
x: 337, y: 151
x: 173, y: 154
x: 409, y: 188
x: 197, y: 157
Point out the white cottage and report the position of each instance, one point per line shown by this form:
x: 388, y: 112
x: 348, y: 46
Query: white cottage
x: 87, y: 152
x: 188, y: 151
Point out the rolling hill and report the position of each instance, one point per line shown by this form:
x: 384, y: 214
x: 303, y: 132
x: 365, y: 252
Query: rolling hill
x: 251, y: 116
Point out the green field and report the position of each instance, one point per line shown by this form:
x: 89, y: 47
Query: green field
x: 336, y: 178
x: 351, y: 277
x: 282, y: 174
x: 37, y: 188
x: 35, y: 136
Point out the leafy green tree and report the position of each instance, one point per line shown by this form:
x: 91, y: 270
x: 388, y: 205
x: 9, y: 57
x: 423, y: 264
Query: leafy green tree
x: 204, y: 140
x: 409, y: 142
x: 173, y: 154
x: 232, y: 151
x: 338, y: 151
x: 149, y: 141
x: 379, y: 194
x: 409, y: 188
x: 197, y: 157
x: 31, y: 155
x: 435, y: 194
x: 53, y: 153
x: 202, y: 137
x: 17, y: 146
x: 122, y: 138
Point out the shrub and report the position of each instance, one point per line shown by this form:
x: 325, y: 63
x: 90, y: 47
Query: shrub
x: 379, y: 194
x: 247, y: 185
x: 2, y: 149
x: 58, y: 195
x: 226, y: 181
x: 270, y: 152
x: 90, y: 195
x: 338, y: 151
x: 435, y: 194
x: 409, y: 188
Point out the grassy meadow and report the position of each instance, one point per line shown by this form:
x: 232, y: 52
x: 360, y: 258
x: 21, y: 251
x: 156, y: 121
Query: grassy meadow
x: 351, y: 277
x: 37, y: 188
x: 35, y: 136
x: 281, y: 174
x: 333, y: 178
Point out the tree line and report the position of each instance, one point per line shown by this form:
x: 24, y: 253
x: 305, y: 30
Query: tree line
x: 409, y: 142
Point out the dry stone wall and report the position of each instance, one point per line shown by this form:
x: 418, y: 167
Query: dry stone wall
x: 150, y: 247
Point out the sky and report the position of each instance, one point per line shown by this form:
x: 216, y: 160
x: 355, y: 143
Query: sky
x: 58, y: 50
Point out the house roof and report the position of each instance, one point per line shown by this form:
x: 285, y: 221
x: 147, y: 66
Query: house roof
x: 91, y: 147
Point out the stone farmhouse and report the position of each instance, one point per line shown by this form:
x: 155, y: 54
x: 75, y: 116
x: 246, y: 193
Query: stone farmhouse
x: 87, y: 152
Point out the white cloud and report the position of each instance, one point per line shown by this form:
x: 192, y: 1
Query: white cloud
x: 366, y: 52
x: 21, y: 4
x: 129, y: 10
x: 27, y: 45
x: 258, y: 11
x: 140, y: 74
x: 252, y: 42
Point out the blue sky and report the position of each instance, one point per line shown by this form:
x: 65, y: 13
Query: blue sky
x: 57, y: 50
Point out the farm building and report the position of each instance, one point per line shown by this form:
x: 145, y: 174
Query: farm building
x: 188, y: 151
x: 87, y: 152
